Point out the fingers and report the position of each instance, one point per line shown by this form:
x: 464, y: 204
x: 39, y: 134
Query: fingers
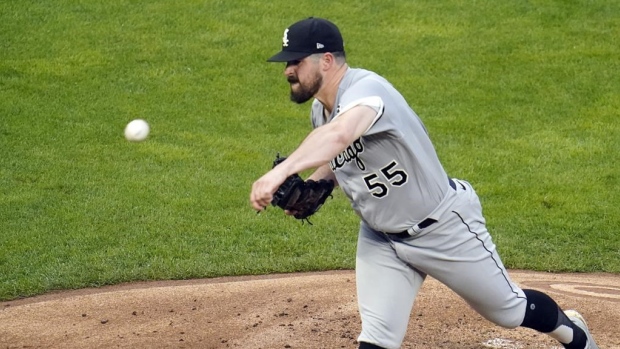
x: 260, y: 199
x: 261, y: 195
x: 264, y: 187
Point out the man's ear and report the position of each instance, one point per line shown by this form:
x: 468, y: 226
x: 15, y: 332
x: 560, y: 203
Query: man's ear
x: 328, y: 61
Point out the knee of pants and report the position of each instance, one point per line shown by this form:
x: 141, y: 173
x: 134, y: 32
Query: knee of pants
x: 510, y: 323
x: 508, y: 318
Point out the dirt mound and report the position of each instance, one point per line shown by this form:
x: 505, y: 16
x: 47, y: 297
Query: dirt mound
x: 311, y: 310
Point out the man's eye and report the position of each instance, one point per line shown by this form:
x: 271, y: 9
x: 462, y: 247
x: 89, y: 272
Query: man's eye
x: 290, y: 63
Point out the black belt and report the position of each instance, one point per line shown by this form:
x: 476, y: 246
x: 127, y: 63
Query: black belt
x: 424, y: 224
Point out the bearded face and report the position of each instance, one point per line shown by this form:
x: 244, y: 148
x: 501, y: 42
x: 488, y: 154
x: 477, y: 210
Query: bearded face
x: 301, y: 92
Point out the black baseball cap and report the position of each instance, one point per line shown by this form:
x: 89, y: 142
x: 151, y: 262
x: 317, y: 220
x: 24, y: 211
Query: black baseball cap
x: 309, y: 36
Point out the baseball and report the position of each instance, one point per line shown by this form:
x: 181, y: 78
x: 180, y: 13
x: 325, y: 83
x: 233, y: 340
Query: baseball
x: 137, y: 130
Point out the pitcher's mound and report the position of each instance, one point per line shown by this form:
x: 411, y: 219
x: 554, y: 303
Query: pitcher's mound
x: 311, y: 310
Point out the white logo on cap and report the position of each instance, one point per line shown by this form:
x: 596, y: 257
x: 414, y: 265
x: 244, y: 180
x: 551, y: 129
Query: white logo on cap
x: 285, y: 38
x: 319, y: 46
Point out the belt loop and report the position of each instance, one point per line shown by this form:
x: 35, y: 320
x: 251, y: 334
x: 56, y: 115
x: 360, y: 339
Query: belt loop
x: 414, y: 230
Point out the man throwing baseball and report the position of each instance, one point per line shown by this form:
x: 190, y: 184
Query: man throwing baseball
x: 415, y: 220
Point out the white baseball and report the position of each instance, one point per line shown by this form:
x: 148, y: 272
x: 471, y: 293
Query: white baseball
x: 137, y: 130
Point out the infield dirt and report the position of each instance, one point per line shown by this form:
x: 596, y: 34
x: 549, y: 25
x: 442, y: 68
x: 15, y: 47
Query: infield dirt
x: 310, y: 310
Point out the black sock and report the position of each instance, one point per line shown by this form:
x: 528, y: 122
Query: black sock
x: 364, y: 345
x: 544, y: 315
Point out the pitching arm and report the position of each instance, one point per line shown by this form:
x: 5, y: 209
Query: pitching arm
x: 320, y: 146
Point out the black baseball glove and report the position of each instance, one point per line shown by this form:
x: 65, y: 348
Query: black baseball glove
x: 302, y: 198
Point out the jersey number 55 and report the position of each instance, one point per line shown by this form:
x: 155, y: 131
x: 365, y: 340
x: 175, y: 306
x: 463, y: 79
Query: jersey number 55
x: 379, y: 186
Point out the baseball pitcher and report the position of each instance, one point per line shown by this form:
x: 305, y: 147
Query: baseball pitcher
x: 415, y: 219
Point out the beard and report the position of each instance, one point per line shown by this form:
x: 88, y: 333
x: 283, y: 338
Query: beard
x: 304, y: 92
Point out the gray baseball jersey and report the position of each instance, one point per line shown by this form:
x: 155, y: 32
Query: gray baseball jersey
x: 393, y: 184
x: 394, y: 180
x: 416, y: 222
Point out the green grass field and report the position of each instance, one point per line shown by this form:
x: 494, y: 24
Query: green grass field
x: 521, y: 99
